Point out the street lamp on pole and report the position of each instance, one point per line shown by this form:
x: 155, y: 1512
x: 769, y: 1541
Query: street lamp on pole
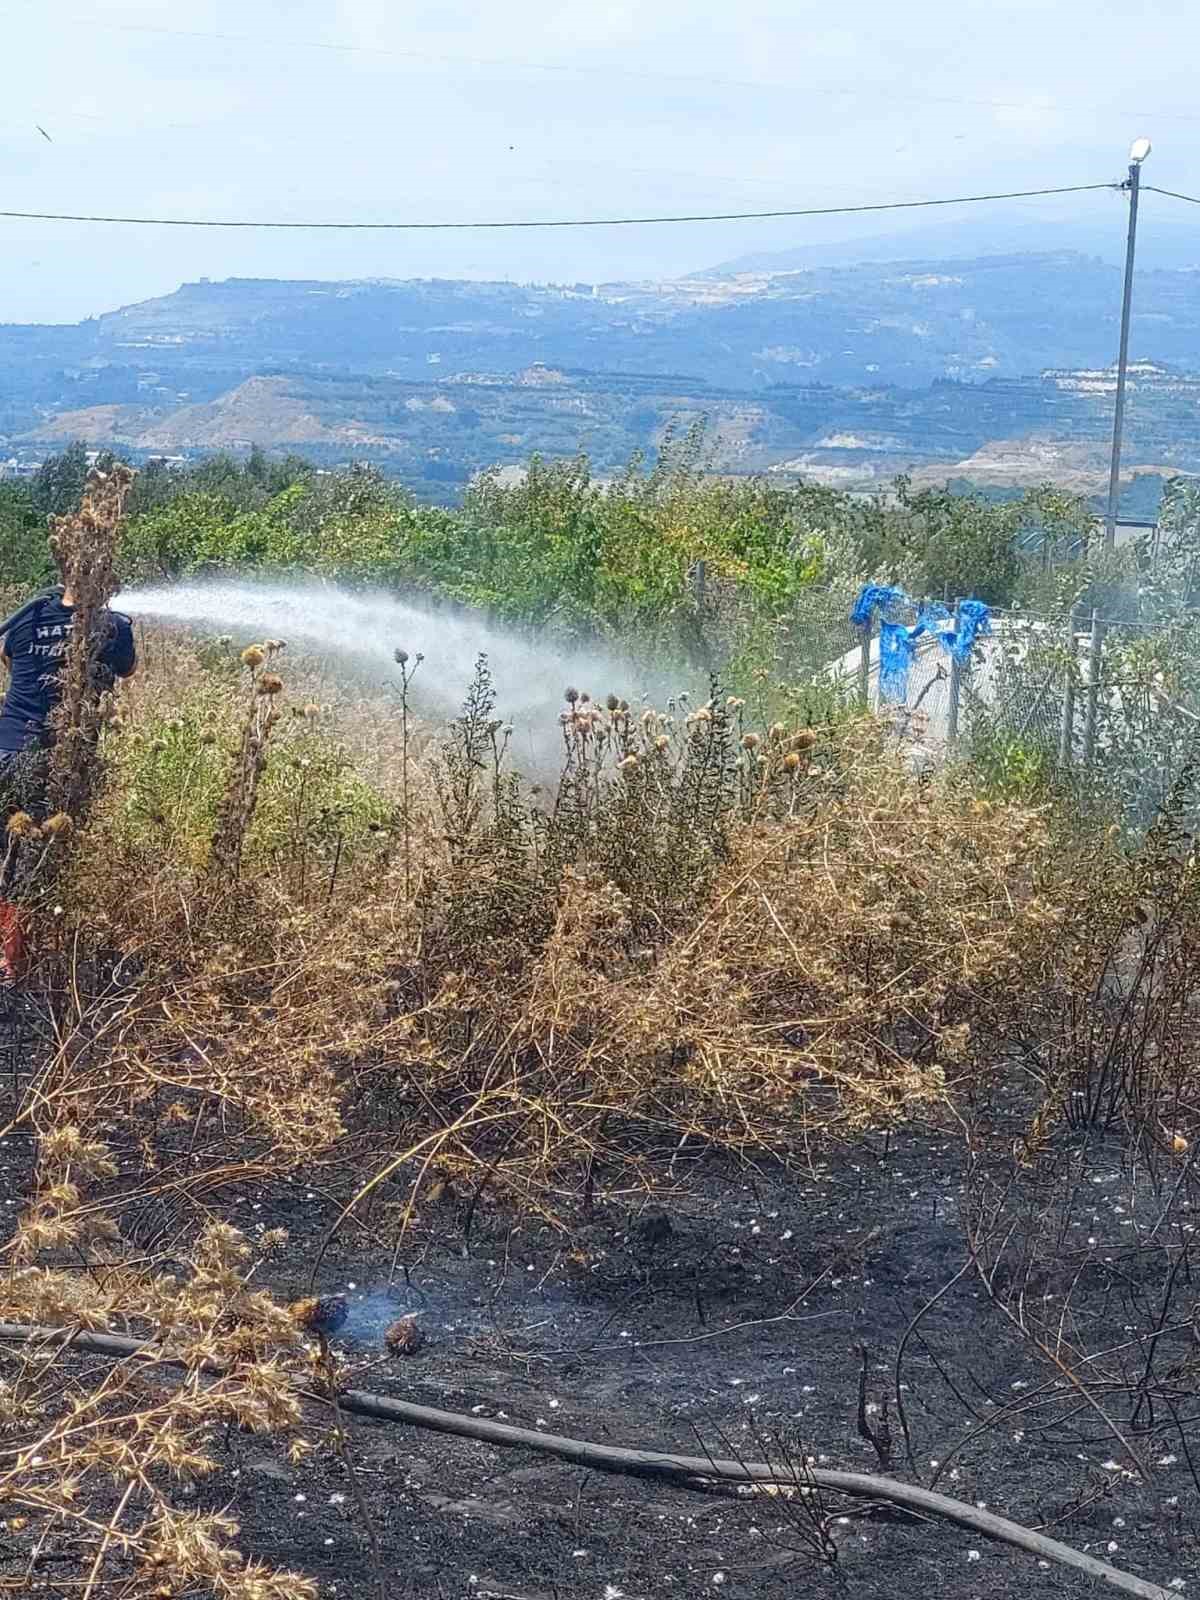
x: 1138, y: 153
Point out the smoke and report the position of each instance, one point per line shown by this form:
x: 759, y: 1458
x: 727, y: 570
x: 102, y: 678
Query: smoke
x: 363, y: 631
x: 462, y: 1310
x: 372, y: 1312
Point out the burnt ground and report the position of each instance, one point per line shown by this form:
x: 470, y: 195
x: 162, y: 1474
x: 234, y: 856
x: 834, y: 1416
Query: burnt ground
x: 670, y: 1327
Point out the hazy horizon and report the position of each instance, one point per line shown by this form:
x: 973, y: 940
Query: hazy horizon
x: 353, y: 111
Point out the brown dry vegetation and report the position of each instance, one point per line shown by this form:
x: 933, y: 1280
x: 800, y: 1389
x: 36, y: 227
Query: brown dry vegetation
x: 753, y: 938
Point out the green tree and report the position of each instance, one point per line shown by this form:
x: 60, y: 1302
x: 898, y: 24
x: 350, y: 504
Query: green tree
x: 57, y: 486
x: 24, y: 553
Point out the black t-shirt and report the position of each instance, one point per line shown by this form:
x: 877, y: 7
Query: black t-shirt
x: 35, y: 647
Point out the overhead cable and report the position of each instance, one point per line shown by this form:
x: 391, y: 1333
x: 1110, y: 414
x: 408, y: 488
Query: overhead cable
x: 557, y: 222
x: 1171, y: 194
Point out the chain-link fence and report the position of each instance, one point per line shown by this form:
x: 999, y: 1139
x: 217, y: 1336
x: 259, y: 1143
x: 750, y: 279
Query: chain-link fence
x: 1106, y: 708
x: 1107, y: 705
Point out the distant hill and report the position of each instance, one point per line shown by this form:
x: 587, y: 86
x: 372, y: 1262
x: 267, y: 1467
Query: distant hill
x: 435, y: 434
x: 858, y: 371
x: 909, y: 323
x: 1162, y: 245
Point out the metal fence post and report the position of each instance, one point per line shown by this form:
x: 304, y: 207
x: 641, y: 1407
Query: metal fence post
x: 956, y: 678
x: 1066, y: 732
x: 864, y: 666
x: 1095, y: 669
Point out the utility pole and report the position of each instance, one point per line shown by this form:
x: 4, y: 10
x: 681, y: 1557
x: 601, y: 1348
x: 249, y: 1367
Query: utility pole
x: 1138, y: 154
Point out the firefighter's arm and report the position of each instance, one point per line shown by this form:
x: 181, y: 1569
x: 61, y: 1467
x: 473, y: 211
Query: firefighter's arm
x: 123, y: 659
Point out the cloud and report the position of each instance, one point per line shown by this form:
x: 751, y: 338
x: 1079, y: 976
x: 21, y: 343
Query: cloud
x: 370, y: 109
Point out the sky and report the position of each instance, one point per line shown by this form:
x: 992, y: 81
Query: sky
x: 399, y: 110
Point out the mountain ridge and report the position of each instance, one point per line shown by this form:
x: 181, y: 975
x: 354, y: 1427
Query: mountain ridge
x: 866, y: 369
x: 1162, y: 245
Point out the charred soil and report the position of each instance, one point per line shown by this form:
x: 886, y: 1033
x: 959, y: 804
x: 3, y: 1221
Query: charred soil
x: 727, y: 1315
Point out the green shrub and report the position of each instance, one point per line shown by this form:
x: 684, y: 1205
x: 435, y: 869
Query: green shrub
x: 171, y: 772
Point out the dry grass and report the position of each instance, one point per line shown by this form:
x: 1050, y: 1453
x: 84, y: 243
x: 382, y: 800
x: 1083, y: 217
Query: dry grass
x: 703, y: 933
x: 85, y: 545
x: 697, y: 937
x: 753, y: 937
x: 232, y: 1343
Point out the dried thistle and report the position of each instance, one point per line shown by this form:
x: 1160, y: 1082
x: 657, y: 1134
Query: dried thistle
x: 324, y: 1315
x: 237, y: 807
x: 404, y: 1337
x: 85, y: 546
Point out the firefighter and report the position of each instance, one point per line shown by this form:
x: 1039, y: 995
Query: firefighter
x: 33, y: 647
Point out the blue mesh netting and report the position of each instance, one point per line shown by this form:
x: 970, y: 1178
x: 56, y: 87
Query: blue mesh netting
x: 872, y: 598
x: 897, y: 646
x: 898, y: 643
x: 974, y: 621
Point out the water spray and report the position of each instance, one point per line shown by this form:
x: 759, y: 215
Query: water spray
x: 365, y: 630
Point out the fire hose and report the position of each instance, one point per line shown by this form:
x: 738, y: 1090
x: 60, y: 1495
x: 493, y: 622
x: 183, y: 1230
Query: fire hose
x: 690, y: 1472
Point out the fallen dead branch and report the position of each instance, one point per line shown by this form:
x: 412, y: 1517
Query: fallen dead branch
x: 690, y: 1472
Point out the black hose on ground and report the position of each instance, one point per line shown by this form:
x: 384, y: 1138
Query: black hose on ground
x: 689, y: 1472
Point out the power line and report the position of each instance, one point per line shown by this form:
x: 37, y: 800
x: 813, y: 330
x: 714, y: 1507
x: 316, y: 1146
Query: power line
x: 1172, y: 194
x: 557, y: 222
